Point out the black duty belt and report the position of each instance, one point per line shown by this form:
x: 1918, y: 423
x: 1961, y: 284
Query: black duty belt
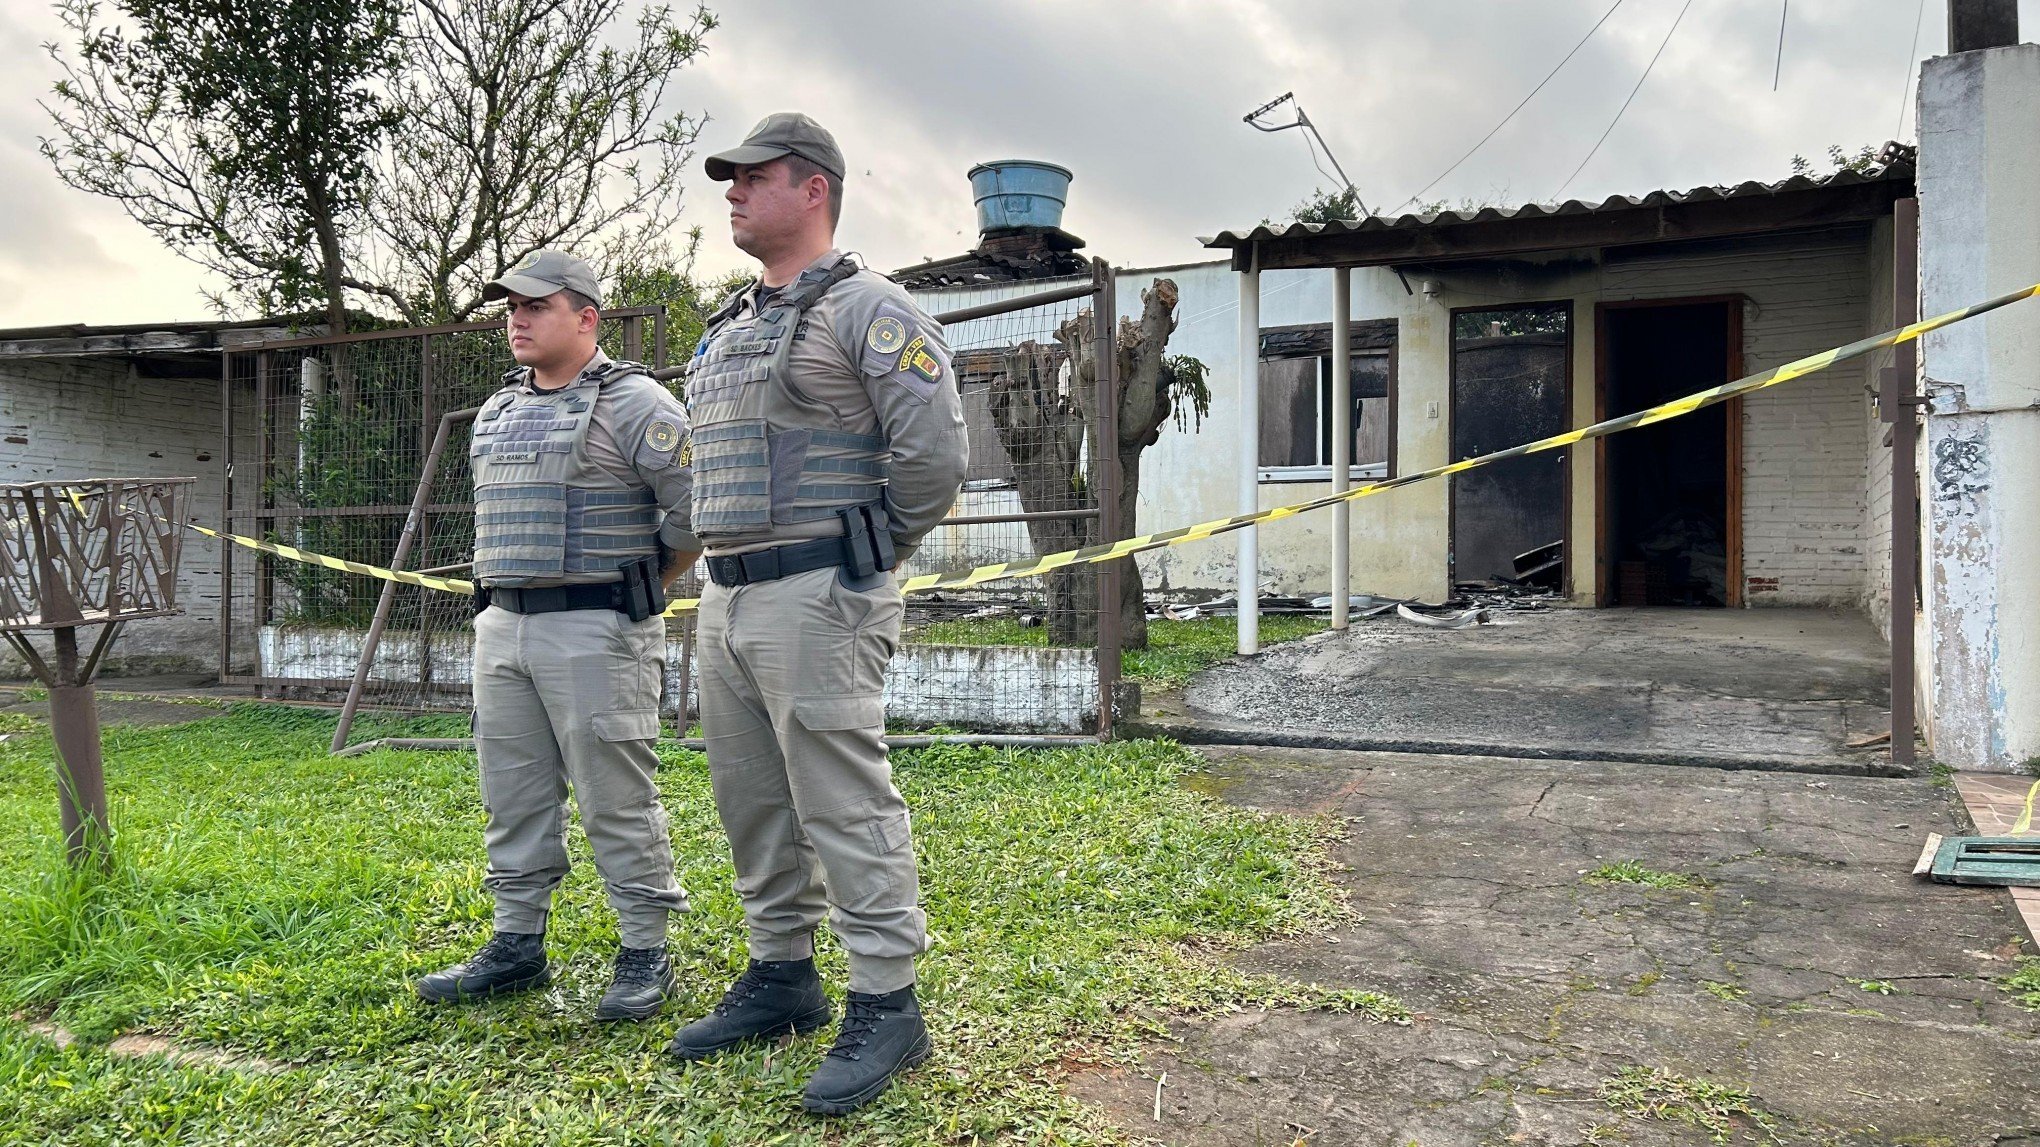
x: 776, y: 563
x: 557, y: 598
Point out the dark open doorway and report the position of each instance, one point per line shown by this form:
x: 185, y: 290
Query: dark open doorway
x: 1511, y: 384
x: 1670, y: 493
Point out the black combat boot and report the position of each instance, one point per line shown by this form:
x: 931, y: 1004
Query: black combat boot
x: 641, y: 985
x: 509, y: 962
x: 882, y: 1036
x: 771, y: 998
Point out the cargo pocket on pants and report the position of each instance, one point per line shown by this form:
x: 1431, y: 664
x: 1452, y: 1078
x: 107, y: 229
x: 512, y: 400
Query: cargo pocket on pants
x: 890, y: 833
x: 626, y: 725
x: 841, y: 713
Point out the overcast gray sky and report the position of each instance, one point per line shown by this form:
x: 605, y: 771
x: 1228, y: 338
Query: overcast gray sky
x: 1142, y: 99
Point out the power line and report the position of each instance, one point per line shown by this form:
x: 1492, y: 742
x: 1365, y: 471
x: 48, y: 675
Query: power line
x: 1778, y: 69
x: 1512, y: 111
x: 1321, y: 167
x: 1912, y: 59
x: 1625, y: 103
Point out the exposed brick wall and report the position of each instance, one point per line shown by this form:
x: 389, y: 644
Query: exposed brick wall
x: 1877, y: 469
x: 82, y: 419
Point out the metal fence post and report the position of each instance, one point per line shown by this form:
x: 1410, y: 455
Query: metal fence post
x: 1249, y: 442
x: 1111, y: 629
x: 633, y: 339
x: 265, y: 448
x: 1899, y: 403
x: 1342, y: 442
x: 412, y: 523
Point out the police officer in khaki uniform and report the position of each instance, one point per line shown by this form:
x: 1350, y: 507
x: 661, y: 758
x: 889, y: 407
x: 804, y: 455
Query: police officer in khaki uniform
x: 828, y: 438
x: 581, y: 520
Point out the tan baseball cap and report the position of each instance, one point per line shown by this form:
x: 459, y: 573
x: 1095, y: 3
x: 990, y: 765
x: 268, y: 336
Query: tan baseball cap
x: 544, y: 273
x: 777, y: 135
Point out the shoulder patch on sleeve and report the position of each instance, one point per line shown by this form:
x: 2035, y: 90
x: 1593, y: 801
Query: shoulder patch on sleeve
x: 916, y: 360
x: 886, y: 335
x: 661, y: 436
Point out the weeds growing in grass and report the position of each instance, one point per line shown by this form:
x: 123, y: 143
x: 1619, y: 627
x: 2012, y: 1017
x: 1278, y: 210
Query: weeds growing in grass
x: 2024, y: 983
x: 273, y: 901
x: 1652, y: 1093
x: 1634, y: 872
x: 1721, y: 991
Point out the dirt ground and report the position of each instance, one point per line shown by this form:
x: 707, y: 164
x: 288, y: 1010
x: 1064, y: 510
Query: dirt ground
x: 115, y: 707
x: 1804, y: 965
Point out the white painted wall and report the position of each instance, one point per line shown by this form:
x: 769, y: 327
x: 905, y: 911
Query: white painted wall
x: 1036, y: 690
x: 1805, y: 456
x: 1979, y: 181
x: 64, y: 419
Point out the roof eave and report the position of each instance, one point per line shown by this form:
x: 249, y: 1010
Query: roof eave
x: 1705, y: 213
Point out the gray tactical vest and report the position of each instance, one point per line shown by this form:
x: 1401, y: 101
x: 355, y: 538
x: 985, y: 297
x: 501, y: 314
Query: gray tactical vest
x: 762, y: 457
x: 542, y: 510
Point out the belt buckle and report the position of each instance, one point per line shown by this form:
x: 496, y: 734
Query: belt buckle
x: 727, y: 569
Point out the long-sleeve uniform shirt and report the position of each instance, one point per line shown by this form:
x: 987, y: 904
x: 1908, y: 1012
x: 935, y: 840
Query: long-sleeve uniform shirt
x: 911, y: 400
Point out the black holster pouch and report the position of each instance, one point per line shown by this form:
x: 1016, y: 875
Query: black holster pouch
x: 481, y: 597
x: 643, y: 596
x: 867, y: 544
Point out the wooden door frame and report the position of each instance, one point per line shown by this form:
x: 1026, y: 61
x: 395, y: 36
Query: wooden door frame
x: 1603, y: 559
x: 1572, y: 314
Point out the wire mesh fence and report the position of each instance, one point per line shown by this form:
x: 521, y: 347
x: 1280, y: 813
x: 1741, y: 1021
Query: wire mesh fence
x: 326, y: 444
x: 1019, y: 655
x: 333, y: 445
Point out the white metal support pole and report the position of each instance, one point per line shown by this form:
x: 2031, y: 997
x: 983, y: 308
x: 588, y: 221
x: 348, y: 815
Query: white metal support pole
x: 1342, y: 442
x: 1250, y: 453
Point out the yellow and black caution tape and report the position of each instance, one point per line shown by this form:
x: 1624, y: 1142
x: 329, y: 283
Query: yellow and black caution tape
x: 2025, y: 820
x: 450, y: 585
x: 1105, y: 552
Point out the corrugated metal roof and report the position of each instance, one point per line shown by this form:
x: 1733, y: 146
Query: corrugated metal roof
x: 1895, y: 162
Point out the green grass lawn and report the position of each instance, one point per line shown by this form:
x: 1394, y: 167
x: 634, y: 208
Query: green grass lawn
x: 1176, y: 650
x: 270, y: 901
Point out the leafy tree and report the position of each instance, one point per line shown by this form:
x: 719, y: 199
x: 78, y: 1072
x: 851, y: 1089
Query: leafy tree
x: 524, y: 127
x: 393, y: 154
x: 1840, y: 159
x: 1322, y: 206
x: 240, y: 133
x: 646, y: 272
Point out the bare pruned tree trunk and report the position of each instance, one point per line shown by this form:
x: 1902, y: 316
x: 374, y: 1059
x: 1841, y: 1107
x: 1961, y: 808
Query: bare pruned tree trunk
x: 1044, y: 404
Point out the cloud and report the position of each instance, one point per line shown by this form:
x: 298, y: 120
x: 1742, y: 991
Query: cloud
x: 1142, y: 100
x: 65, y: 256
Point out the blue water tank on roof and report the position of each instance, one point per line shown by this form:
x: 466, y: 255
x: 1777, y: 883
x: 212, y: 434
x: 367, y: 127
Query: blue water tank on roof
x: 1014, y: 193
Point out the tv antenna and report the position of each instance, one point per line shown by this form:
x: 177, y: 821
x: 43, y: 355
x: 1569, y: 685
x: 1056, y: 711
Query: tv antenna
x: 1253, y: 119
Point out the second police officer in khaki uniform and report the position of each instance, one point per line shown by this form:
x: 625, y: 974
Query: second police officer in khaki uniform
x: 827, y: 440
x: 581, y: 519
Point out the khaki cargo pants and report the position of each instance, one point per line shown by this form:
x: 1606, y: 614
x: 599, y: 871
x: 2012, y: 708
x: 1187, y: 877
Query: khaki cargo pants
x: 572, y: 698
x: 792, y: 673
